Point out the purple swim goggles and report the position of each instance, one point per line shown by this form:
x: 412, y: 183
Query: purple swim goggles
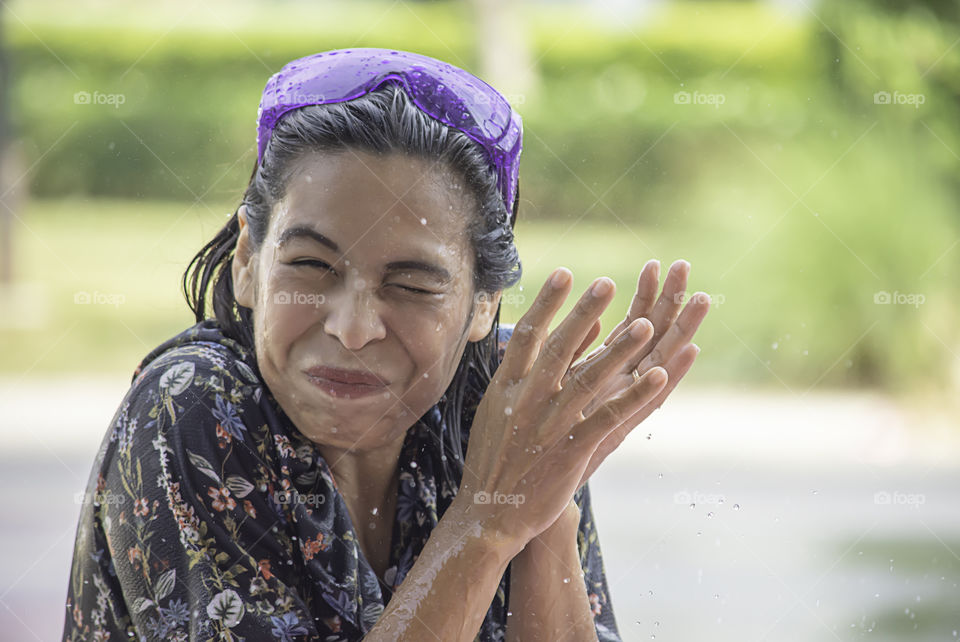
x: 447, y: 93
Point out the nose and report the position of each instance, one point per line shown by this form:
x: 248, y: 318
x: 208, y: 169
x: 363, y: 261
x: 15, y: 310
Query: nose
x: 354, y: 317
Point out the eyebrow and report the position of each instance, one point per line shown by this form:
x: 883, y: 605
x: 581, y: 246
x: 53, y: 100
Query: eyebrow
x: 303, y: 231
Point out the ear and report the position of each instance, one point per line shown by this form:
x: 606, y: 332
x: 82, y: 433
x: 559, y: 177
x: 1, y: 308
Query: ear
x: 243, y: 265
x: 485, y: 307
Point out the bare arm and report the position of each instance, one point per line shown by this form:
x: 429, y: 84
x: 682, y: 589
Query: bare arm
x: 450, y: 587
x: 548, y: 600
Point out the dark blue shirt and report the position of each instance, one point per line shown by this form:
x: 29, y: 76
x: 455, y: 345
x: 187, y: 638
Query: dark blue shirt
x: 207, y: 511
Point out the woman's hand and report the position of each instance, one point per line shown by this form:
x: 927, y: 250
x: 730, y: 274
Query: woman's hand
x: 530, y: 442
x: 670, y: 348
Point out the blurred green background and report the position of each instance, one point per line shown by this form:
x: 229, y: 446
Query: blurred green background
x: 745, y: 137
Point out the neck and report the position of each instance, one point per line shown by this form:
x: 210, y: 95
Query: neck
x: 367, y: 479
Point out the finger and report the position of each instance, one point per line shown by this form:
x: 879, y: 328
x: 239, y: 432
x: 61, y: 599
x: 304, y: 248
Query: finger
x: 557, y: 351
x: 591, y: 335
x: 531, y: 330
x: 676, y: 369
x: 643, y: 299
x: 590, y: 378
x: 609, y: 415
x: 680, y: 332
x: 589, y: 358
x: 671, y: 298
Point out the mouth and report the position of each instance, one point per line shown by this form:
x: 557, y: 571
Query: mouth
x: 345, y: 383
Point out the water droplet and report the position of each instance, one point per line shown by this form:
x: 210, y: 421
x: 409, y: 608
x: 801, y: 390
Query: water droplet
x: 374, y: 511
x: 423, y: 221
x: 566, y: 580
x: 736, y: 507
x: 710, y: 515
x: 508, y: 411
x: 692, y: 505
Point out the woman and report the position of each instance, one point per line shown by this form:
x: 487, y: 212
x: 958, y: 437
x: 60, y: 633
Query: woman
x: 352, y: 447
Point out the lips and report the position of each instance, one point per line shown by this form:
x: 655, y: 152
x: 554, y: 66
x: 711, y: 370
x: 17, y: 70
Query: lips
x: 353, y: 377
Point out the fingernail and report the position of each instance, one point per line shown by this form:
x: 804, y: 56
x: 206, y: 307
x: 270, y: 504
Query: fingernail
x: 601, y: 287
x: 559, y: 278
x: 697, y: 347
x: 638, y: 329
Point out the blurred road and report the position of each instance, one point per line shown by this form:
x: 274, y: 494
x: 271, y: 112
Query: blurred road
x: 728, y: 515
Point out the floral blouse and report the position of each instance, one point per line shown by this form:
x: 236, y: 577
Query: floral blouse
x: 209, y: 516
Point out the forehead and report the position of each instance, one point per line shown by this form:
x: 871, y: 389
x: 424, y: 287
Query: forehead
x: 380, y: 203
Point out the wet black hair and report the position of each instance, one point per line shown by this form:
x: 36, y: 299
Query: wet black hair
x: 382, y: 121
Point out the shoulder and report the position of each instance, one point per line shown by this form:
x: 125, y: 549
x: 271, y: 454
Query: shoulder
x: 197, y: 387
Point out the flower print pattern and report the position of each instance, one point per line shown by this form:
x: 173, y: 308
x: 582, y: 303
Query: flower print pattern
x: 215, y: 518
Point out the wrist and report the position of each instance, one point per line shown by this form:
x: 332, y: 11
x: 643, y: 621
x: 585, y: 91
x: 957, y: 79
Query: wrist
x: 477, y: 524
x: 560, y: 537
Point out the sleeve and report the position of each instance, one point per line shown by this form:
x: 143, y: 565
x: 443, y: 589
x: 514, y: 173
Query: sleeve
x: 591, y: 560
x: 195, y: 546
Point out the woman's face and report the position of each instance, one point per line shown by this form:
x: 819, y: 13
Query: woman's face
x: 367, y: 267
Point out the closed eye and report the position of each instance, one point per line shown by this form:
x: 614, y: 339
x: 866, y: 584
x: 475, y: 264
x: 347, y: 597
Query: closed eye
x: 415, y: 290
x: 313, y: 263
x: 326, y: 266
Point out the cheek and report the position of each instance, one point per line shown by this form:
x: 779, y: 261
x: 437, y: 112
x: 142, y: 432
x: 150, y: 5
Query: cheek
x: 434, y: 352
x: 284, y: 314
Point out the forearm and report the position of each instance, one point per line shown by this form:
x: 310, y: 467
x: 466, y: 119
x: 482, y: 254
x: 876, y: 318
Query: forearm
x: 447, y: 593
x: 548, y: 598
